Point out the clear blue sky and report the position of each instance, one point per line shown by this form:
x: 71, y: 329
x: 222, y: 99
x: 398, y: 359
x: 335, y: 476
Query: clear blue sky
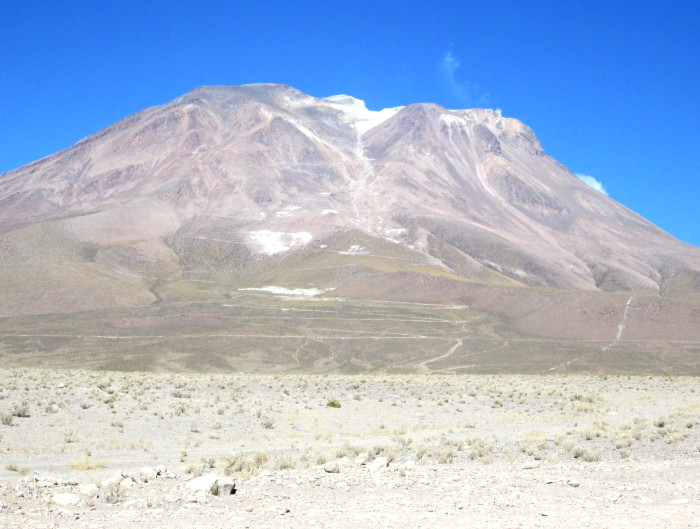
x: 612, y: 89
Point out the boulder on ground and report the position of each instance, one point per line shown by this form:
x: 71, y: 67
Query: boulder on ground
x: 378, y: 464
x: 146, y: 474
x: 203, y: 483
x: 65, y: 500
x: 224, y: 486
x: 332, y: 467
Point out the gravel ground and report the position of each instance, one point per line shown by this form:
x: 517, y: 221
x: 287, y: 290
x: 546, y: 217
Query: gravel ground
x: 102, y: 449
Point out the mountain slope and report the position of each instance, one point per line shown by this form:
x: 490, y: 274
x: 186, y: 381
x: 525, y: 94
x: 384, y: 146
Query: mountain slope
x: 279, y: 162
x: 230, y: 188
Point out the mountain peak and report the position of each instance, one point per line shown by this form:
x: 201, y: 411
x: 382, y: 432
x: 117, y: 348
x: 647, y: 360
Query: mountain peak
x: 467, y: 191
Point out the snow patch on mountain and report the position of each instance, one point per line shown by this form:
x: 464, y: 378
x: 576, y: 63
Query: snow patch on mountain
x: 306, y: 292
x: 286, y: 212
x: 360, y: 116
x: 274, y: 242
x: 355, y: 249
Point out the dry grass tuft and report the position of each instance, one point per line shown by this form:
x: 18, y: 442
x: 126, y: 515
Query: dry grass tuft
x: 86, y: 464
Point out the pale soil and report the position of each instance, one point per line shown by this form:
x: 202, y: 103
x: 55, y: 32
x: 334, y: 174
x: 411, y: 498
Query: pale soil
x: 462, y: 451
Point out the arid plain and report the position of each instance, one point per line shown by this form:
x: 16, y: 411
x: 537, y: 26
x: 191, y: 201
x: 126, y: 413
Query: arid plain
x: 113, y: 449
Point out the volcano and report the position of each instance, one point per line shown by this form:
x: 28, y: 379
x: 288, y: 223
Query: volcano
x: 258, y: 196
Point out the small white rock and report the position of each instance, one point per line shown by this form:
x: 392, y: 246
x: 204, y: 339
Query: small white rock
x: 361, y: 459
x: 147, y: 474
x: 65, y: 500
x: 514, y: 497
x: 88, y: 489
x: 378, y: 464
x: 202, y: 483
x: 332, y: 467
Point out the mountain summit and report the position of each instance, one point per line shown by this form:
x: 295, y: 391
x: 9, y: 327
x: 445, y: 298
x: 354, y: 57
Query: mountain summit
x: 262, y: 185
x: 288, y: 169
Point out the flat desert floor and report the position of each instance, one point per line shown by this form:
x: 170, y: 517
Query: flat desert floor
x: 110, y: 449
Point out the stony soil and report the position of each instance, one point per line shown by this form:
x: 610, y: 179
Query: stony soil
x: 102, y: 449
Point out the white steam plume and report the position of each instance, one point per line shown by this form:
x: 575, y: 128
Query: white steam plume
x: 466, y: 93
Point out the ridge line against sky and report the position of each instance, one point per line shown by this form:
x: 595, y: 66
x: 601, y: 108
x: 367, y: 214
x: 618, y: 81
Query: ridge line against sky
x: 609, y: 88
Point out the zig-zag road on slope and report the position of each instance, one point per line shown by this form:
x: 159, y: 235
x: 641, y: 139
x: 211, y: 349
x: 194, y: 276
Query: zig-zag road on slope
x: 465, y: 366
x: 450, y: 352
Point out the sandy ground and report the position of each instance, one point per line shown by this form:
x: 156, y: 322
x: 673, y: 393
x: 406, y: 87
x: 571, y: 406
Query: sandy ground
x: 104, y: 449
